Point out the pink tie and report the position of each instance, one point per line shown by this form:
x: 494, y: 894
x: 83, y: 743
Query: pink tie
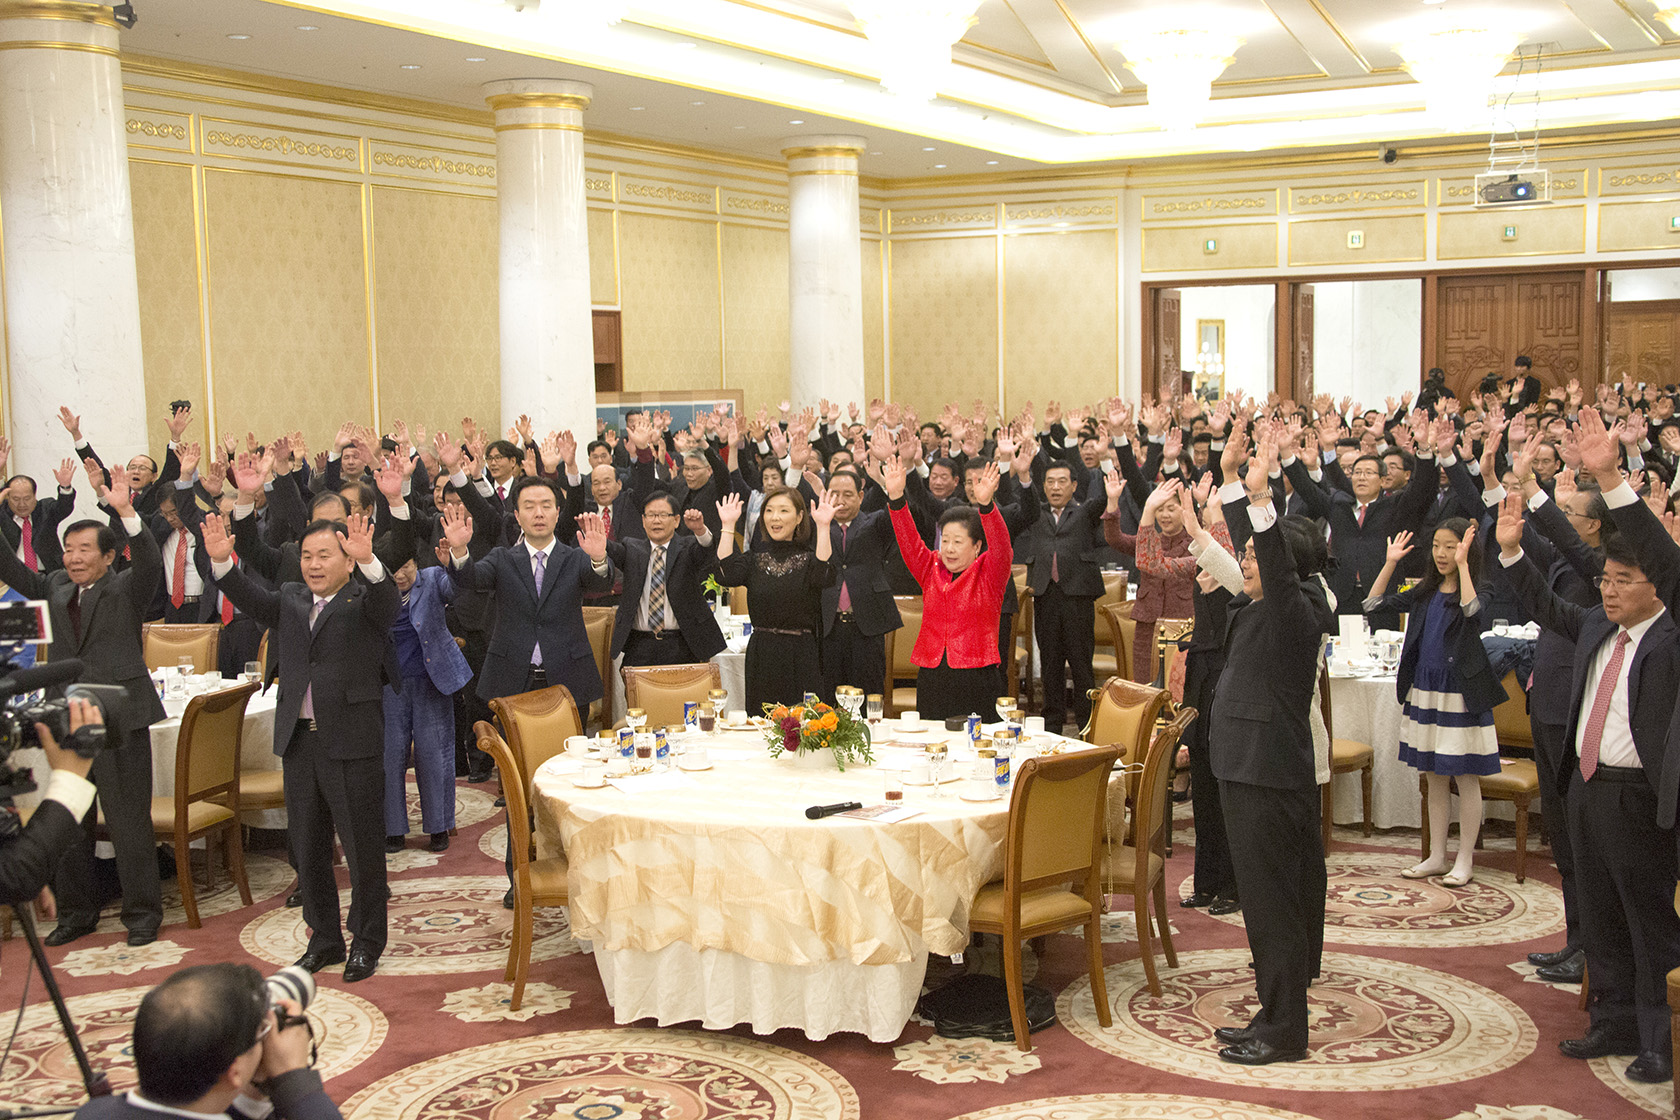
x: 29, y: 558
x: 1362, y: 517
x: 1594, y: 733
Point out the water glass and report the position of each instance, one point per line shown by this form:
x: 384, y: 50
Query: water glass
x: 892, y: 782
x: 873, y: 707
x: 1502, y: 627
x: 253, y: 672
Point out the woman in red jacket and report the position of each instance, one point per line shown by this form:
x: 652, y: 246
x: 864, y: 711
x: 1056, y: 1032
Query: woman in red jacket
x: 956, y: 654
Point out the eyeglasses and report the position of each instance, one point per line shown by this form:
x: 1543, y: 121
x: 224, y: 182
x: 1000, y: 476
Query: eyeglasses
x: 654, y: 515
x: 1617, y: 583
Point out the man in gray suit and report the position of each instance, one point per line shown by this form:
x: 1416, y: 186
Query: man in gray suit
x: 96, y: 615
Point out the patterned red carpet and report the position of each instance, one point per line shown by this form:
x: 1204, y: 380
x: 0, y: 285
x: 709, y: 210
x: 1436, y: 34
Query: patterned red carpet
x: 1426, y: 1011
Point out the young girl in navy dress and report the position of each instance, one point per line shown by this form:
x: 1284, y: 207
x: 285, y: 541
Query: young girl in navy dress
x: 1447, y: 689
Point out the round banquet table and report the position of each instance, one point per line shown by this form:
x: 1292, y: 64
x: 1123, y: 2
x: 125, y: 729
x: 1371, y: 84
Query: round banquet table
x: 708, y: 896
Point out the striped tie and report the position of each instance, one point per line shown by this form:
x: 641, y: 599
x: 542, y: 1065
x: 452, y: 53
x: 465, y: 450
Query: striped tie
x: 656, y: 591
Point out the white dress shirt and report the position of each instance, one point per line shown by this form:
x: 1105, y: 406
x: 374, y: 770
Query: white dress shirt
x: 1615, y: 746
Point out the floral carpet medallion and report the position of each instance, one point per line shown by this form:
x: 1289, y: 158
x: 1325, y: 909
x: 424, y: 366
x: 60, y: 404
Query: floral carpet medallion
x: 955, y: 1061
x: 1369, y: 903
x: 494, y: 1002
x: 437, y: 926
x: 41, y: 1071
x: 613, y: 1075
x: 1374, y: 1023
x: 1658, y: 1100
x: 1131, y: 1106
x: 121, y: 959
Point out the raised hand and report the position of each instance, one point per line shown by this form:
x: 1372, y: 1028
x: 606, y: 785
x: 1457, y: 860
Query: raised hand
x: 694, y: 521
x: 1509, y: 531
x: 1161, y: 495
x: 72, y: 423
x: 246, y: 476
x: 65, y: 474
x: 1461, y: 555
x: 1256, y: 482
x: 1597, y: 444
x: 457, y: 527
x: 592, y: 536
x: 892, y: 475
x: 985, y: 486
x: 1113, y: 487
x: 218, y: 545
x: 1446, y: 435
x: 345, y: 436
x: 1398, y: 546
x: 189, y: 455
x: 1174, y: 444
x: 823, y: 512
x: 215, y: 476
x: 116, y: 494
x: 729, y: 510
x: 358, y: 542
x: 448, y: 452
x: 1563, y: 486
x: 389, y: 479
x: 177, y: 422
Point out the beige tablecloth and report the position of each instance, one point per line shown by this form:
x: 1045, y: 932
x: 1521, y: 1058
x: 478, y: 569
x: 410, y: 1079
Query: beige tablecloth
x: 718, y: 900
x: 256, y: 751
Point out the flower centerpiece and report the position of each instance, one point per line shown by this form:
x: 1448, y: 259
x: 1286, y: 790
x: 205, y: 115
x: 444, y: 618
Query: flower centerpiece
x: 814, y: 726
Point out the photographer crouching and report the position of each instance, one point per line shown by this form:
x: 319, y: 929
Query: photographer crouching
x: 30, y: 853
x: 219, y: 1040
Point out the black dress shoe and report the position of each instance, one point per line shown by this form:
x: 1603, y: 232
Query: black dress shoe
x: 66, y: 933
x: 361, y: 964
x: 139, y: 937
x: 314, y: 960
x: 1570, y: 971
x: 1652, y: 1067
x: 1225, y: 906
x: 1234, y: 1035
x: 1253, y: 1052
x: 1599, y: 1042
x: 1198, y: 900
x: 440, y: 841
x: 479, y: 776
x: 395, y: 843
x: 294, y: 900
x: 507, y: 899
x: 1548, y: 960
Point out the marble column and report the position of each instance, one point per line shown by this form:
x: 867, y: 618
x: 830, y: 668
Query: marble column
x: 72, y: 299
x: 825, y: 269
x: 548, y: 344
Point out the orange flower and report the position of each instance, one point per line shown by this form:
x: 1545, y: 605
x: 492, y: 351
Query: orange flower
x: 829, y: 722
x: 799, y: 712
x: 779, y: 712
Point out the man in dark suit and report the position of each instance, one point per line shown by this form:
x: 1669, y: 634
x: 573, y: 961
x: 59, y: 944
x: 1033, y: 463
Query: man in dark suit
x: 1261, y: 751
x: 539, y: 638
x: 858, y: 610
x: 619, y: 517
x: 29, y: 526
x: 30, y: 854
x: 186, y: 593
x: 1620, y: 764
x: 1060, y: 552
x: 663, y: 618
x: 146, y: 482
x: 329, y: 723
x: 96, y: 616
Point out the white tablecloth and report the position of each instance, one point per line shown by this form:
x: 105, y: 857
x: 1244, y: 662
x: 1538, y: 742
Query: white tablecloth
x: 1367, y: 710
x: 717, y: 901
x: 731, y: 663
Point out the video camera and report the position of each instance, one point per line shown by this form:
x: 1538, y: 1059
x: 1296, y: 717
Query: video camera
x: 27, y: 623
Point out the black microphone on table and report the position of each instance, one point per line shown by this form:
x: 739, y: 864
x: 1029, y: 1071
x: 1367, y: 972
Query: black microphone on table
x: 818, y: 812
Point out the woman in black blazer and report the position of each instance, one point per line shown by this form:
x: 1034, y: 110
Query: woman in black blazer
x: 1447, y: 688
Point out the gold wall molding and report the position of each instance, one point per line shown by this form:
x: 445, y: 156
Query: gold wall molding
x: 756, y: 205
x: 1633, y: 226
x: 74, y: 10
x: 1386, y: 196
x: 955, y: 217
x: 1064, y: 212
x: 1460, y: 190
x: 1642, y: 179
x: 1540, y: 231
x: 1383, y: 239
x: 161, y: 131
x: 235, y: 139
x: 58, y: 45
x: 400, y: 161
x: 1251, y: 245
x: 1177, y: 205
x: 678, y: 195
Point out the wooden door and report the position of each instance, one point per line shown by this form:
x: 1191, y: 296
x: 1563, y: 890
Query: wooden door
x: 1551, y: 325
x: 1301, y: 322
x: 1167, y: 370
x: 609, y: 366
x: 1644, y: 340
x: 1483, y: 322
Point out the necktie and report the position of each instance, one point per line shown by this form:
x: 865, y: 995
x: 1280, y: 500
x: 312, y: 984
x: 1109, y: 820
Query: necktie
x: 1055, y: 566
x: 845, y: 595
x: 74, y: 609
x: 656, y: 590
x: 227, y: 604
x: 307, y: 711
x: 178, y: 578
x: 1594, y: 734
x: 540, y: 562
x: 1362, y: 516
x: 606, y: 520
x: 501, y: 493
x: 29, y: 558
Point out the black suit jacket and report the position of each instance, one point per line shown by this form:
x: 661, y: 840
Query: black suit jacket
x: 145, y: 501
x: 860, y: 562
x: 1074, y: 543
x: 524, y: 619
x: 1483, y: 692
x: 27, y: 863
x: 206, y: 607
x: 626, y: 518
x: 296, y: 1094
x: 332, y: 660
x: 113, y: 607
x: 1259, y: 732
x: 49, y: 514
x: 1361, y: 550
x: 687, y: 565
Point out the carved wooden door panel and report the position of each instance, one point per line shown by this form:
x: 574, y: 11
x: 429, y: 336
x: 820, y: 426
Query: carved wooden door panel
x: 1302, y: 390
x: 1168, y: 345
x: 1645, y: 340
x: 1472, y: 343
x: 1548, y: 326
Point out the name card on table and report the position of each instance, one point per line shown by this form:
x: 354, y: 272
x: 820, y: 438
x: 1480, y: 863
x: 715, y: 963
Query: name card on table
x: 1352, y: 640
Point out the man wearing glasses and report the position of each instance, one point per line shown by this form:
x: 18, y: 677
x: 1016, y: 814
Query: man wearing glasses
x: 662, y: 615
x: 205, y: 1042
x: 1619, y: 762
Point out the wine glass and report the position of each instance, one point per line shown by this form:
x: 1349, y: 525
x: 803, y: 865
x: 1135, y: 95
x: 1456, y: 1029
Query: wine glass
x: 1389, y: 652
x: 936, y: 767
x: 849, y: 698
x: 874, y: 707
x: 635, y: 718
x: 720, y: 702
x: 1004, y: 704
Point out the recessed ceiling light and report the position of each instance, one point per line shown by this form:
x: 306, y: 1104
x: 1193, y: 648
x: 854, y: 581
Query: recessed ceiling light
x: 697, y: 104
x: 475, y: 58
x: 411, y: 66
x: 874, y: 153
x: 927, y: 149
x: 796, y: 122
x: 238, y: 36
x: 991, y: 163
x: 637, y: 108
x: 740, y: 126
x: 307, y: 27
x: 938, y: 166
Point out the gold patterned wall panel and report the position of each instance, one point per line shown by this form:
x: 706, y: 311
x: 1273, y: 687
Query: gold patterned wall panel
x: 1524, y: 232
x: 435, y: 307
x: 1061, y: 302
x: 603, y: 259
x: 166, y: 261
x: 1332, y: 240
x: 944, y: 322
x: 1184, y: 248
x: 288, y: 303
x: 671, y: 325
x: 874, y: 358
x: 755, y: 313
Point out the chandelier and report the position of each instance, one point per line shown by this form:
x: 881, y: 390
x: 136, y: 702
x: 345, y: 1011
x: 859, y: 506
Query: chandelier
x: 912, y: 40
x: 1456, y: 67
x: 1670, y: 16
x: 1179, y: 64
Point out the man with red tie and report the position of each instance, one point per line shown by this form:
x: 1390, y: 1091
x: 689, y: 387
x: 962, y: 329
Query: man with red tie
x: 30, y: 524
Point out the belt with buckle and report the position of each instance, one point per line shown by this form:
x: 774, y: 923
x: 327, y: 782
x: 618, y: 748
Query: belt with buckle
x: 845, y: 616
x: 1619, y: 774
x: 307, y: 725
x: 190, y: 599
x: 657, y: 635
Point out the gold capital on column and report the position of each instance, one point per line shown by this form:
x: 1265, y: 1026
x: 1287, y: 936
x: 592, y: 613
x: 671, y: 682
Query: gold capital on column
x: 536, y: 100
x: 77, y: 10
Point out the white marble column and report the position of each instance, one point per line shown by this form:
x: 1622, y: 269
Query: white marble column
x: 72, y: 300
x: 548, y: 344
x: 825, y: 269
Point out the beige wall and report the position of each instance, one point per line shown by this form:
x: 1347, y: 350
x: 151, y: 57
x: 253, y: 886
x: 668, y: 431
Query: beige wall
x: 166, y: 260
x: 755, y: 312
x: 944, y: 321
x: 673, y: 325
x: 874, y: 339
x: 1061, y: 304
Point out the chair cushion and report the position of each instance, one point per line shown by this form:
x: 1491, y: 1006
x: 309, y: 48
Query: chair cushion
x: 1119, y: 865
x: 200, y: 815
x: 1049, y: 906
x: 904, y: 698
x: 1349, y: 754
x: 548, y: 882
x: 1518, y: 777
x: 262, y: 789
x: 1674, y: 989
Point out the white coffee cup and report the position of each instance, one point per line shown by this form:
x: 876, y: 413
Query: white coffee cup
x: 738, y: 717
x: 917, y: 773
x: 577, y: 746
x: 1033, y: 725
x: 592, y: 774
x: 910, y: 720
x: 695, y: 758
x: 618, y: 766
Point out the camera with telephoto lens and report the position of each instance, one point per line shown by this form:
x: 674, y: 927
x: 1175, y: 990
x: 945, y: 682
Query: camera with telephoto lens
x: 293, y: 983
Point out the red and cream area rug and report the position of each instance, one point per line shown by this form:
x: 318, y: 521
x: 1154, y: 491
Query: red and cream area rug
x: 1426, y: 1010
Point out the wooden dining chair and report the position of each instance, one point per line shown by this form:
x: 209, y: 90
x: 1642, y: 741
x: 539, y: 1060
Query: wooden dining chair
x: 1107, y: 660
x: 900, y: 643
x: 206, y: 797
x: 1138, y: 866
x: 535, y: 726
x: 661, y: 690
x: 1052, y: 853
x: 598, y: 624
x: 165, y: 643
x: 1123, y: 714
x: 1347, y: 756
x: 1117, y: 617
x: 1018, y: 668
x: 536, y: 882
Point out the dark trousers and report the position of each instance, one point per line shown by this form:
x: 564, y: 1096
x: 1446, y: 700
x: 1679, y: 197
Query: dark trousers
x: 1278, y: 855
x: 1214, y: 875
x: 1625, y: 870
x: 849, y: 656
x: 239, y: 642
x: 1549, y: 742
x: 642, y: 648
x: 186, y: 612
x: 1065, y: 628
x: 124, y: 780
x: 326, y: 795
x: 469, y: 709
x: 1006, y: 625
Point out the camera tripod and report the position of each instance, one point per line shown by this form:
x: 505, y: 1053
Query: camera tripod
x: 96, y: 1083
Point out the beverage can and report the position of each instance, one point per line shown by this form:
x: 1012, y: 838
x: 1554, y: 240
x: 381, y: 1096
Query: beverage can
x: 691, y: 714
x: 626, y: 742
x: 973, y: 730
x: 661, y: 748
x: 810, y: 699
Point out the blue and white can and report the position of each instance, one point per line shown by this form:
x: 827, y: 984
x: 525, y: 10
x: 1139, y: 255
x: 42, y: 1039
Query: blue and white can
x: 691, y: 714
x: 661, y: 749
x: 626, y: 743
x: 973, y: 730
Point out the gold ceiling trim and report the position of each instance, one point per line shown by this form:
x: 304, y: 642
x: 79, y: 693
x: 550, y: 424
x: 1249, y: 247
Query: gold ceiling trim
x: 824, y: 151
x: 1114, y: 80
x: 853, y: 30
x: 538, y: 100
x: 1645, y: 27
x: 57, y: 45
x: 541, y: 126
x: 77, y: 11
x: 1047, y: 64
x: 1290, y: 31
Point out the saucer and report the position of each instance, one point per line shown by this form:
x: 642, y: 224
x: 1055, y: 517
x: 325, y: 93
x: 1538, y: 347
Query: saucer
x: 579, y: 783
x: 686, y: 766
x: 968, y: 793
